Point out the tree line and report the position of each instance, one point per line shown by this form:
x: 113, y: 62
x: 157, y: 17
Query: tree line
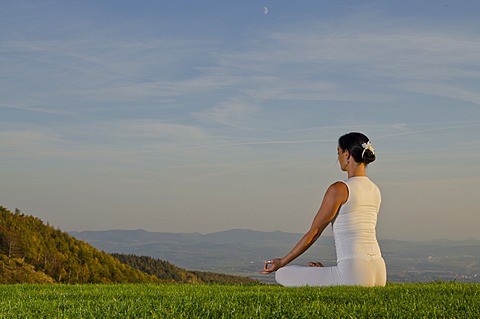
x: 168, y: 272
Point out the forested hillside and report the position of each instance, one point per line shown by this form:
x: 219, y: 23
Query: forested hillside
x: 166, y: 271
x: 34, y: 252
x: 31, y: 251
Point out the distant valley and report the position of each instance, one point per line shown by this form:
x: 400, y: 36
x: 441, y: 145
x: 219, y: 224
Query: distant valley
x: 242, y: 252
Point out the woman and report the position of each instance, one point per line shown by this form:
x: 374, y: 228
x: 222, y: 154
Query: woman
x: 352, y: 207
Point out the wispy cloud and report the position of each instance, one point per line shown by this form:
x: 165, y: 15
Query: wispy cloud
x: 33, y: 109
x: 312, y: 62
x: 450, y: 90
x: 358, y: 64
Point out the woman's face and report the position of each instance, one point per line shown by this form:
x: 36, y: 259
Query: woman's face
x: 342, y: 158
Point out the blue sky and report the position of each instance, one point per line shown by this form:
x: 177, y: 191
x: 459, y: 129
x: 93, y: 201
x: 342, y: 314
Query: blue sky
x: 201, y: 116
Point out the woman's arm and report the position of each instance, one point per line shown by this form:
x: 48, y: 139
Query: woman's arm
x: 335, y: 196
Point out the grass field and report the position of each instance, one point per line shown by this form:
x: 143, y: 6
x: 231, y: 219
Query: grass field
x: 433, y: 300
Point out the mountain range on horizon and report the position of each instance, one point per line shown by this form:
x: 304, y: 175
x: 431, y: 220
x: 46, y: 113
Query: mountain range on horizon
x: 242, y: 232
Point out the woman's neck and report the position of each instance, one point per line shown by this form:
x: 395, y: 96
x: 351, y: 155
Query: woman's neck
x: 355, y: 169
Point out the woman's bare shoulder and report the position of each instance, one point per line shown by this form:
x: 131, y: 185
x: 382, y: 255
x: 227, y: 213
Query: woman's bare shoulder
x: 339, y: 191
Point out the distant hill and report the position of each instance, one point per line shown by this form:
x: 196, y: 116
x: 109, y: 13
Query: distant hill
x: 168, y: 272
x: 242, y: 252
x: 34, y: 252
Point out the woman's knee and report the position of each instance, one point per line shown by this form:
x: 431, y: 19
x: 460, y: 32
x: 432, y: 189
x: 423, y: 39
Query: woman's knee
x: 293, y: 275
x: 281, y: 275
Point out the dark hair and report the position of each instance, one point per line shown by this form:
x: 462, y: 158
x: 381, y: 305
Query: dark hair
x: 353, y: 143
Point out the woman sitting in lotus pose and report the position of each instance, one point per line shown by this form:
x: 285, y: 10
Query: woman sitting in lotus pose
x: 352, y: 207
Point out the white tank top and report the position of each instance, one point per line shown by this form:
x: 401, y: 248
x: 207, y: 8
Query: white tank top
x: 354, y: 225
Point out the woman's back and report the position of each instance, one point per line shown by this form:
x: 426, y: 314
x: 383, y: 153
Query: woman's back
x: 354, y: 225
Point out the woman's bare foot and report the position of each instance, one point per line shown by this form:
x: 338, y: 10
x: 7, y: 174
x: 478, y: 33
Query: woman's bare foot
x: 315, y: 264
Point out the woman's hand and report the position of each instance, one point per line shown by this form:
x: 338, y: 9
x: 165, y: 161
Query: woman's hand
x: 271, y: 265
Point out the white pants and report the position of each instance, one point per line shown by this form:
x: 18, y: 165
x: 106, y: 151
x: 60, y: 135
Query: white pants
x: 365, y: 271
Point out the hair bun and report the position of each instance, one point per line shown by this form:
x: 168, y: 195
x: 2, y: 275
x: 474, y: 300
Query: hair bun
x: 368, y: 156
x: 368, y: 153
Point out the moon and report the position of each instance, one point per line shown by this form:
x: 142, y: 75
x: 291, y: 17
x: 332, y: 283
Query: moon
x: 265, y: 10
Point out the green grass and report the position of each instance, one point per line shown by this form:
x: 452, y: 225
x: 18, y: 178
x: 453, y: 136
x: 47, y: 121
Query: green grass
x: 433, y: 300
